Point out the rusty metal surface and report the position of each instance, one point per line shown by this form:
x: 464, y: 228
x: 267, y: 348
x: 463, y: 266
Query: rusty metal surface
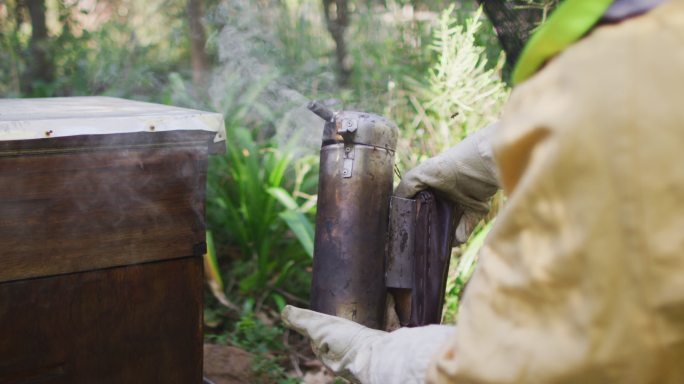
x: 351, y: 225
x: 355, y: 184
x: 366, y: 128
x: 400, y: 243
x: 357, y: 128
x: 321, y: 110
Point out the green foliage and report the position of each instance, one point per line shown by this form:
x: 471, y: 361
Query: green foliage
x: 265, y: 343
x: 461, y: 94
x: 121, y: 66
x: 387, y: 47
x: 295, y: 217
x: 301, y: 43
x: 128, y: 56
x: 251, y: 208
x: 260, y: 205
x: 254, y: 336
x: 462, y: 265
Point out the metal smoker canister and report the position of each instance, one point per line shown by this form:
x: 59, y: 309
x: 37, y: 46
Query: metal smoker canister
x: 355, y: 185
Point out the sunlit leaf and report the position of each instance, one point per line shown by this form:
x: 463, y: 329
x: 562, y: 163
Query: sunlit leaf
x: 283, y: 197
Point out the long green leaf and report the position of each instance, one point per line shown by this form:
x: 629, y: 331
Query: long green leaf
x: 302, y: 228
x: 283, y: 198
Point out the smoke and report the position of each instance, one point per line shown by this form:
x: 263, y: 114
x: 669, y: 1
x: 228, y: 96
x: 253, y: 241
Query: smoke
x: 249, y: 52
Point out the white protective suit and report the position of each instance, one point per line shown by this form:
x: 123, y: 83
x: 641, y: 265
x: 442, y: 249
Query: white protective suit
x: 582, y: 278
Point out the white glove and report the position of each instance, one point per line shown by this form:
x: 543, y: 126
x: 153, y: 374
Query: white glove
x: 365, y: 355
x: 465, y: 174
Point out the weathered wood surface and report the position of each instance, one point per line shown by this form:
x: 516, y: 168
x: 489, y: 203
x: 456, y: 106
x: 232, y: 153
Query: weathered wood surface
x: 134, y: 324
x: 78, y: 204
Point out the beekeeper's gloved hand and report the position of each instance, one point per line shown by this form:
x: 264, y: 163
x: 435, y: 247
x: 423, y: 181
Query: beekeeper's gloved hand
x: 365, y: 355
x: 465, y: 174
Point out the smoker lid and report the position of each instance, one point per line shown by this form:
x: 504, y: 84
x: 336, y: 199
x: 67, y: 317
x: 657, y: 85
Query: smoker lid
x: 27, y: 119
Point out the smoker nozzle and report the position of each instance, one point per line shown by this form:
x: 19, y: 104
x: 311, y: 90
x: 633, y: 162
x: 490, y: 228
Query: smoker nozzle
x: 321, y: 110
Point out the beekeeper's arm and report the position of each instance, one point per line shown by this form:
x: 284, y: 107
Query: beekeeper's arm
x: 465, y: 174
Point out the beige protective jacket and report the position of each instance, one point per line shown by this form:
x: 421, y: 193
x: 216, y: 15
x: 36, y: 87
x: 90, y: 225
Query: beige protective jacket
x: 582, y: 278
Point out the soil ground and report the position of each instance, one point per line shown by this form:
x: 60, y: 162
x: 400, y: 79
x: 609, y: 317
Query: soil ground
x: 230, y: 365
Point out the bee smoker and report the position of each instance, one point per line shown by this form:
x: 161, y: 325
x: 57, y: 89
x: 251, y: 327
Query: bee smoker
x: 368, y: 242
x: 355, y: 185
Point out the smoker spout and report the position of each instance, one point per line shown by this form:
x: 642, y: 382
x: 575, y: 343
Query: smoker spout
x: 321, y: 110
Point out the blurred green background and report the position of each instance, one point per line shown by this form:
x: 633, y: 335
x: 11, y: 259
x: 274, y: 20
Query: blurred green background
x: 434, y: 67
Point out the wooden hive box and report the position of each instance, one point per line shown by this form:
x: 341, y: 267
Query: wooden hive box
x: 101, y: 236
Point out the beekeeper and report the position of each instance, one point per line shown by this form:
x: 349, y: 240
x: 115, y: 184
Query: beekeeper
x: 581, y: 280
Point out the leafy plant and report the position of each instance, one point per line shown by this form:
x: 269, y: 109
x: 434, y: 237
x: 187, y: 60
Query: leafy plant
x: 250, y: 205
x: 265, y: 343
x: 463, y: 264
x: 462, y: 92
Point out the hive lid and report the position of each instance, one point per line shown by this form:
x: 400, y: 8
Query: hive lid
x: 28, y: 119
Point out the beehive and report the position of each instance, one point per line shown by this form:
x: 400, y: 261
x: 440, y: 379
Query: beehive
x: 101, y: 237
